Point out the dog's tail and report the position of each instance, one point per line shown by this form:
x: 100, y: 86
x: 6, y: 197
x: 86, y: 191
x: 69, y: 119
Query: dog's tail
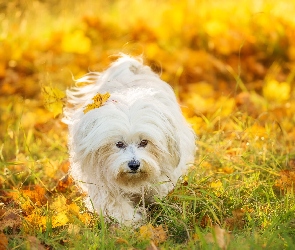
x: 122, y: 74
x: 125, y: 68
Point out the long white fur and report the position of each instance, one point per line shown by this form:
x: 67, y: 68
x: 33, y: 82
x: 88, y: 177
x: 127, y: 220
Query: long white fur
x: 141, y: 107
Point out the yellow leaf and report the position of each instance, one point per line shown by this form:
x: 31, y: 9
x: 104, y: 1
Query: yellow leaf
x: 156, y: 234
x: 60, y: 219
x: 216, y: 185
x: 146, y: 231
x: 53, y: 99
x: 98, y: 101
x: 85, y: 218
x: 74, y: 208
x: 228, y: 169
x: 59, y: 204
x: 36, y: 219
x: 76, y: 42
x: 276, y: 91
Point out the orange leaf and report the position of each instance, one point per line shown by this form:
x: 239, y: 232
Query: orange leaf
x: 3, y: 241
x: 64, y: 184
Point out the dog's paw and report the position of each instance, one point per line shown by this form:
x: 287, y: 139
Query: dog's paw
x: 136, y: 221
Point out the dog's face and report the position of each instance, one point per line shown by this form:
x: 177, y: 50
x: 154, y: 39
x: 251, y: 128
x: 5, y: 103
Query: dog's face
x: 133, y: 161
x: 128, y: 146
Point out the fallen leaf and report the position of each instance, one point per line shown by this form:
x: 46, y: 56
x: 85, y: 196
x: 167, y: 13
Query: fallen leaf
x: 65, y: 166
x: 219, y: 236
x: 53, y: 99
x: 86, y: 218
x: 206, y: 221
x: 3, y: 242
x: 286, y: 181
x: 36, y: 194
x: 64, y: 183
x: 156, y: 234
x: 9, y: 218
x: 35, y: 243
x: 29, y: 197
x: 60, y: 219
x: 237, y: 220
x: 59, y: 204
x: 121, y: 241
x: 276, y: 91
x: 98, y: 101
x: 36, y: 219
x: 74, y: 229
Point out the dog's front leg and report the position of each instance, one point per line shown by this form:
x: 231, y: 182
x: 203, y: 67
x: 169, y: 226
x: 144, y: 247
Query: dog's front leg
x: 124, y: 211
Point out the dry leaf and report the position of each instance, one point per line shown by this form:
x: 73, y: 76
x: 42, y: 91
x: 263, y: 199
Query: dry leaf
x: 53, y: 99
x: 29, y: 197
x: 237, y: 220
x: 219, y: 236
x: 286, y: 182
x: 156, y: 234
x: 36, y: 219
x: 74, y: 229
x: 3, y: 241
x: 59, y: 204
x: 35, y: 243
x: 121, y: 241
x: 60, y: 219
x: 85, y: 218
x: 206, y: 221
x: 9, y: 218
x: 98, y: 101
x: 65, y: 166
x: 64, y: 184
x: 36, y: 194
x: 277, y: 91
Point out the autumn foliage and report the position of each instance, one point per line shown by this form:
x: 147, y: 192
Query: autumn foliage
x: 232, y: 67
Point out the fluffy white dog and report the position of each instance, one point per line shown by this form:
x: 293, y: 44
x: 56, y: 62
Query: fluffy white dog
x: 128, y: 139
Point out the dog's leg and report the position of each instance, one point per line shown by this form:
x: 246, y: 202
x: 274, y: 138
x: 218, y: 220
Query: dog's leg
x: 124, y: 211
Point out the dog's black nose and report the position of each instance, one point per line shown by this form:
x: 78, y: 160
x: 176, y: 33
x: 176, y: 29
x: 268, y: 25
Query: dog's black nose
x: 133, y: 165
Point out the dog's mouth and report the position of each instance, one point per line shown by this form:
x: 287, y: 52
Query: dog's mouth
x: 134, y: 176
x: 134, y: 172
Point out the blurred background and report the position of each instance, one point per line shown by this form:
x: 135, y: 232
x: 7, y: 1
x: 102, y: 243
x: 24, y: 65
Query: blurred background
x: 188, y: 42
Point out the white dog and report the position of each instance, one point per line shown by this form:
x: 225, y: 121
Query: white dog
x: 136, y: 144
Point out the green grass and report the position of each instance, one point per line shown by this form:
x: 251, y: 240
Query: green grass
x: 267, y: 220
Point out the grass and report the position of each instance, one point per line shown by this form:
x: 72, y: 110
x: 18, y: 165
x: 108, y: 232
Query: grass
x: 234, y: 77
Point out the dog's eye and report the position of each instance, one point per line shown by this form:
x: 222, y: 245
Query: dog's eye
x: 143, y: 143
x: 120, y: 144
